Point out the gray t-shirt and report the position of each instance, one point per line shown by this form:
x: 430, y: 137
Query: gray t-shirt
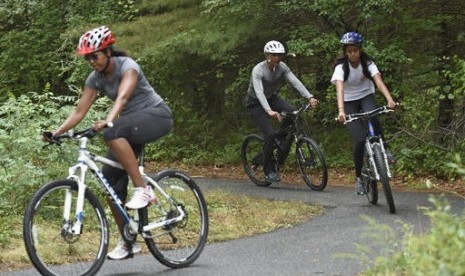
x: 143, y: 96
x: 265, y: 82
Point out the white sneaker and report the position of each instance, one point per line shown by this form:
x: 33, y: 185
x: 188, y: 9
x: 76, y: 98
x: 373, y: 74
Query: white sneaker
x: 141, y: 198
x: 122, y: 251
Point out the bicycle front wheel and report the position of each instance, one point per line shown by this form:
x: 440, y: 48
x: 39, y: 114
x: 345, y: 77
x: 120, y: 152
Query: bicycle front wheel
x: 382, y: 171
x: 312, y: 164
x: 252, y: 159
x: 180, y: 243
x: 49, y: 239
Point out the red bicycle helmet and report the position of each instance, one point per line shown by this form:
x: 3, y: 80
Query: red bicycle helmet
x: 95, y: 40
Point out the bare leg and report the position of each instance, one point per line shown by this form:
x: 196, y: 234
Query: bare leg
x: 125, y: 155
x: 116, y: 215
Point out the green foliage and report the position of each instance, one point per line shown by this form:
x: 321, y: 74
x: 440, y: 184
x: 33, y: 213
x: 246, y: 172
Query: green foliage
x: 127, y: 9
x: 25, y: 163
x: 199, y: 54
x: 440, y: 251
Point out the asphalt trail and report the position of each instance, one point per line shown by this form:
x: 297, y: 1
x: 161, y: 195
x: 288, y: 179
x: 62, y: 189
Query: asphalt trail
x: 315, y: 247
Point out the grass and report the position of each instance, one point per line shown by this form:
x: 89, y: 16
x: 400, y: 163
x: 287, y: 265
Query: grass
x: 231, y: 217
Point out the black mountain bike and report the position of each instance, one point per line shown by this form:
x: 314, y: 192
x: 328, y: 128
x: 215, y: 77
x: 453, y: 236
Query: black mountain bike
x: 375, y: 164
x: 309, y: 156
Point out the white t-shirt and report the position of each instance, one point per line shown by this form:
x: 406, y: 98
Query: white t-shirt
x: 357, y: 85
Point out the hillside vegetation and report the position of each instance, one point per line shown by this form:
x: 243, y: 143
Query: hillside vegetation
x: 199, y: 55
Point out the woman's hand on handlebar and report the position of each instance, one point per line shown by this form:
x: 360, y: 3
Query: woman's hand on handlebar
x: 47, y: 136
x: 272, y: 113
x: 341, y: 117
x: 100, y: 125
x: 392, y: 104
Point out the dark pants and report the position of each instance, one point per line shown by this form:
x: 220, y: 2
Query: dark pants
x: 263, y: 121
x: 139, y: 128
x: 357, y: 129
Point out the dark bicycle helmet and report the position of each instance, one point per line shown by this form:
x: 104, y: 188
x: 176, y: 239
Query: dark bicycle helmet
x: 352, y: 38
x: 95, y: 40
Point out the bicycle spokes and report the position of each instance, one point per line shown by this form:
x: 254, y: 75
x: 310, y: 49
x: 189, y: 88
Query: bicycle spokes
x: 183, y: 235
x: 257, y: 161
x: 252, y: 159
x: 50, y: 241
x: 311, y: 163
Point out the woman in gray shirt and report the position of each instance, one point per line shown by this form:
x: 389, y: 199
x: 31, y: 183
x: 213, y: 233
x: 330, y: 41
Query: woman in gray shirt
x: 139, y: 116
x: 263, y: 102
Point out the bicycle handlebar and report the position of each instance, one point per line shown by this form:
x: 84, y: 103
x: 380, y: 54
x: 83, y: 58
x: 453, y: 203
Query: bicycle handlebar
x: 368, y: 114
x: 303, y: 108
x: 87, y: 132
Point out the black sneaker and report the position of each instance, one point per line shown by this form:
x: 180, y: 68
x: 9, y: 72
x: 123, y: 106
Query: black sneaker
x: 272, y: 177
x: 359, y: 187
x: 390, y: 157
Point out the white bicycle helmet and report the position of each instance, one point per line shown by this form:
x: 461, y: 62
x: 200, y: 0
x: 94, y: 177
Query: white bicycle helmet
x: 274, y: 47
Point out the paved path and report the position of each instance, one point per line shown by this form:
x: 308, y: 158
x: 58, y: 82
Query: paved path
x: 311, y: 248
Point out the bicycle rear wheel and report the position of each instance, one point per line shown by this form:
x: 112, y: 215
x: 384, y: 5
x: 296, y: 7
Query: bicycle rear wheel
x: 178, y: 244
x: 312, y: 164
x: 382, y: 171
x: 252, y: 159
x: 49, y: 242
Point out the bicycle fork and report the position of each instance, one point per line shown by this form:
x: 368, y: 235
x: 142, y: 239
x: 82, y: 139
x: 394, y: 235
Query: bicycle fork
x: 369, y: 149
x: 372, y: 140
x: 76, y: 227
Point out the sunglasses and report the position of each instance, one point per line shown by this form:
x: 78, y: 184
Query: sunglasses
x: 93, y: 56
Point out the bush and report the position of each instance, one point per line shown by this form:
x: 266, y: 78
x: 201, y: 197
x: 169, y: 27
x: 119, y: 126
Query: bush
x: 441, y: 251
x: 25, y: 164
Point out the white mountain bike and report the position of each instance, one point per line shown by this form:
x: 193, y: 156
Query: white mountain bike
x: 66, y: 229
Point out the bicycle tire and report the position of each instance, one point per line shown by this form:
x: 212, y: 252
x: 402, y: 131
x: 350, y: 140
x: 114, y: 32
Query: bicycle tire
x: 371, y: 187
x: 49, y: 249
x: 252, y: 159
x: 381, y: 166
x: 312, y: 164
x: 179, y: 244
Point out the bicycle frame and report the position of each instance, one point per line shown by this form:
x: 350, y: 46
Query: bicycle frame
x: 86, y: 161
x: 289, y: 130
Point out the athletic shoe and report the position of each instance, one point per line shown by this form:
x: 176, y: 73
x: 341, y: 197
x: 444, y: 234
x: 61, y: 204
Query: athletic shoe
x: 359, y: 187
x: 272, y: 177
x: 390, y: 157
x: 123, y: 250
x: 141, y: 198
